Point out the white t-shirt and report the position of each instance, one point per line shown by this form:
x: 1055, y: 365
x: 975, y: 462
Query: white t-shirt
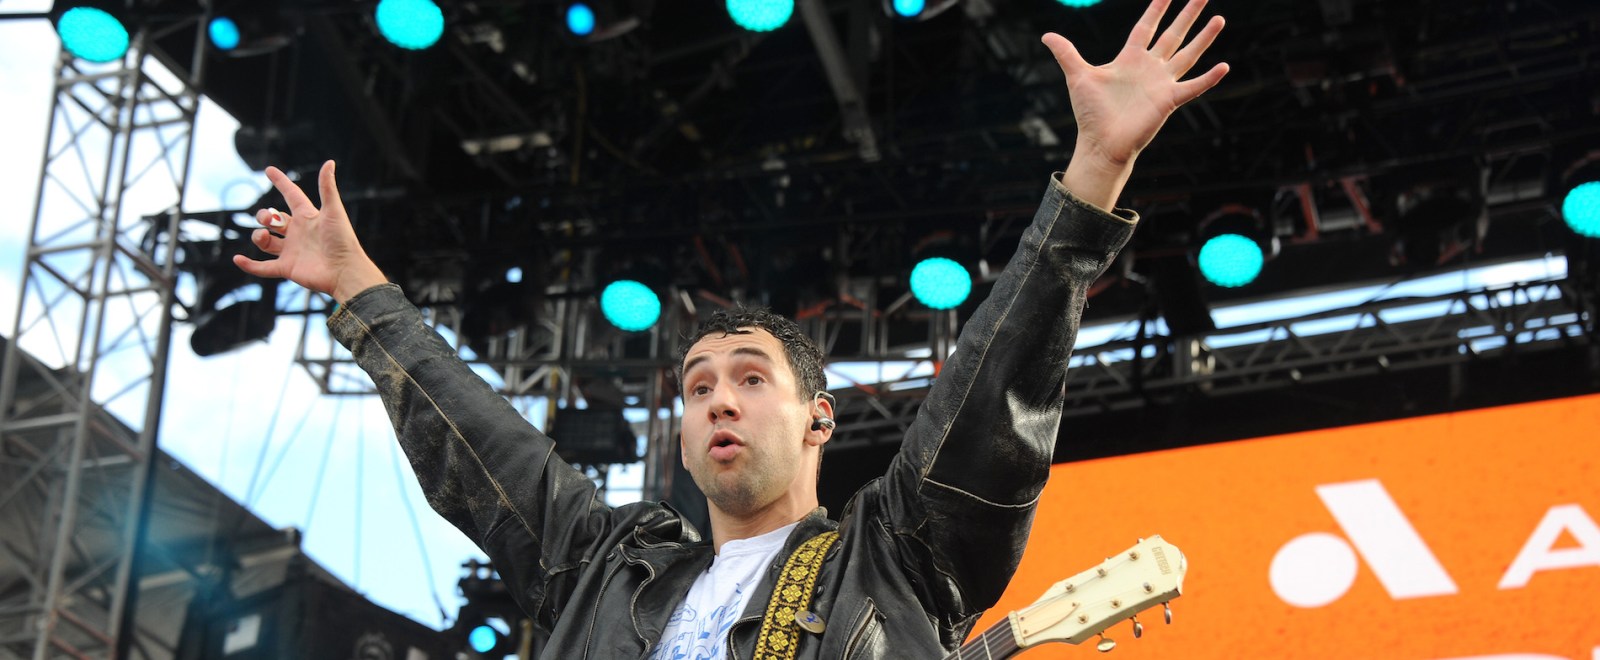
x: 698, y: 629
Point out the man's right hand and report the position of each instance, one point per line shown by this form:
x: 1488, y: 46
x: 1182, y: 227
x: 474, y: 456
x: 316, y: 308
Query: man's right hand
x: 316, y: 248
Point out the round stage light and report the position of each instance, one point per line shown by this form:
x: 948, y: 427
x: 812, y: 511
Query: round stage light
x: 92, y: 34
x: 909, y: 8
x: 224, y: 33
x: 1231, y: 260
x: 482, y: 639
x: 410, y: 24
x: 580, y: 19
x: 1581, y: 208
x: 630, y: 305
x: 1079, y: 4
x: 940, y: 283
x: 760, y: 15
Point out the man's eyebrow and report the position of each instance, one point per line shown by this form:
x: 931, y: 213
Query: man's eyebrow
x: 693, y: 362
x: 753, y: 352
x: 742, y: 350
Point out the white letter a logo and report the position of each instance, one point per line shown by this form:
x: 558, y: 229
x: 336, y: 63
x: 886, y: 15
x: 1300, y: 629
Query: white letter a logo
x: 1315, y: 569
x: 1537, y: 556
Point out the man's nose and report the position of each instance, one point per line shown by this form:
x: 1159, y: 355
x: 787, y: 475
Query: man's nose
x: 724, y: 405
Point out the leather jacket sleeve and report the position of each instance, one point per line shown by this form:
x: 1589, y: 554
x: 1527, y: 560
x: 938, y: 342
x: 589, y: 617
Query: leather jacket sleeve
x: 960, y: 494
x: 482, y: 466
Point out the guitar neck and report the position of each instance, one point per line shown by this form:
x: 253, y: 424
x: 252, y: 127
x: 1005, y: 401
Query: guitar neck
x: 996, y: 643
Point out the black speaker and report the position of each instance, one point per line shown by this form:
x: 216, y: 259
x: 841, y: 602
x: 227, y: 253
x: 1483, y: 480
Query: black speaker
x: 594, y: 436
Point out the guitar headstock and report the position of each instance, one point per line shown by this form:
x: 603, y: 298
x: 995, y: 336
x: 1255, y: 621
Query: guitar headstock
x: 1121, y: 587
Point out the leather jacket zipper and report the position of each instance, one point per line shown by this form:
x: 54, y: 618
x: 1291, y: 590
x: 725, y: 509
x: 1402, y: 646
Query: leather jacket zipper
x: 861, y: 628
x: 733, y: 649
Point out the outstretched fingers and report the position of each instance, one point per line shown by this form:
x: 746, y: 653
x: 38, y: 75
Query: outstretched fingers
x: 1173, y: 37
x: 328, y: 188
x: 299, y: 204
x: 1185, y: 59
x: 1145, y: 30
x: 1191, y: 89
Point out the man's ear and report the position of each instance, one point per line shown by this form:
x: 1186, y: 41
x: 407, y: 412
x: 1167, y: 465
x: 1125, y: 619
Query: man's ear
x: 821, y: 407
x: 683, y: 452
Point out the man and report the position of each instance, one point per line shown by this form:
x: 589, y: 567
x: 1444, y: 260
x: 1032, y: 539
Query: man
x: 921, y: 551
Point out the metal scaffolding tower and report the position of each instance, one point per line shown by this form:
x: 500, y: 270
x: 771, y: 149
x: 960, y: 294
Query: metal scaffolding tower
x: 93, y: 325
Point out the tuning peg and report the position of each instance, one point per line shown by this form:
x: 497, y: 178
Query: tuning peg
x: 1106, y: 644
x: 1168, y: 608
x: 1138, y: 628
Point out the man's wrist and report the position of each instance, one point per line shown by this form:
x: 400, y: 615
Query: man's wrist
x: 364, y: 278
x: 1096, y: 179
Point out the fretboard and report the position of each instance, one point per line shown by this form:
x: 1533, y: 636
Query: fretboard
x: 997, y: 643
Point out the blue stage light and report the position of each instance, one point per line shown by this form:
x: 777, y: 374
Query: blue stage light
x: 1079, y: 4
x: 92, y: 34
x: 940, y: 283
x: 1231, y: 260
x: 482, y: 639
x: 630, y: 305
x: 1581, y: 209
x: 760, y: 15
x: 410, y: 24
x: 224, y: 33
x: 909, y: 8
x: 580, y: 19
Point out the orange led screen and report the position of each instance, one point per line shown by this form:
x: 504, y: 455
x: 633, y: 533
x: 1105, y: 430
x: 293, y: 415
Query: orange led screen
x: 1465, y: 535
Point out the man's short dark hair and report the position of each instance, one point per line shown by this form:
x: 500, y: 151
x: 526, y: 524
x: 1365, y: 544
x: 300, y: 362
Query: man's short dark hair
x: 805, y: 358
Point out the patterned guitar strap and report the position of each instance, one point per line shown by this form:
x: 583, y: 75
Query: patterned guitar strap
x: 780, y: 630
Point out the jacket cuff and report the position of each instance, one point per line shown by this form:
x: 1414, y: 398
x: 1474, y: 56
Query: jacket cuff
x: 1057, y: 188
x: 346, y: 322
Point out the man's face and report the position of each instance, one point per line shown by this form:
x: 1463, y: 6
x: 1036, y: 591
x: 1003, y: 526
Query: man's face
x: 744, y: 425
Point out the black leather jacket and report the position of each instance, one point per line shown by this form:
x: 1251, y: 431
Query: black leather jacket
x: 923, y: 550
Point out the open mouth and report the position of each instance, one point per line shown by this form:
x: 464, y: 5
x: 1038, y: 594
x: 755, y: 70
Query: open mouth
x: 724, y: 438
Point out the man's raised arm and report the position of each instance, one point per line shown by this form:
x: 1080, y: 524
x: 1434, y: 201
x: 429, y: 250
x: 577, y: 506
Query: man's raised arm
x: 482, y: 466
x: 962, y: 490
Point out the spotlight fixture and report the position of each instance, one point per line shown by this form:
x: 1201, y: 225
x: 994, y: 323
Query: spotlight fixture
x: 593, y: 21
x: 231, y: 307
x: 410, y: 24
x: 580, y: 19
x: 940, y: 283
x: 939, y: 279
x: 630, y: 305
x: 760, y: 15
x: 916, y: 10
x: 243, y: 29
x: 224, y: 33
x: 1580, y: 203
x: 1235, y: 245
x: 91, y: 32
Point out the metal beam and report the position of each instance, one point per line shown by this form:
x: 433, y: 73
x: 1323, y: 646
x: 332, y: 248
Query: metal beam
x: 118, y: 133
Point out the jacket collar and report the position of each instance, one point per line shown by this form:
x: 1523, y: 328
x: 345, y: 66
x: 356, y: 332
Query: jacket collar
x: 672, y: 568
